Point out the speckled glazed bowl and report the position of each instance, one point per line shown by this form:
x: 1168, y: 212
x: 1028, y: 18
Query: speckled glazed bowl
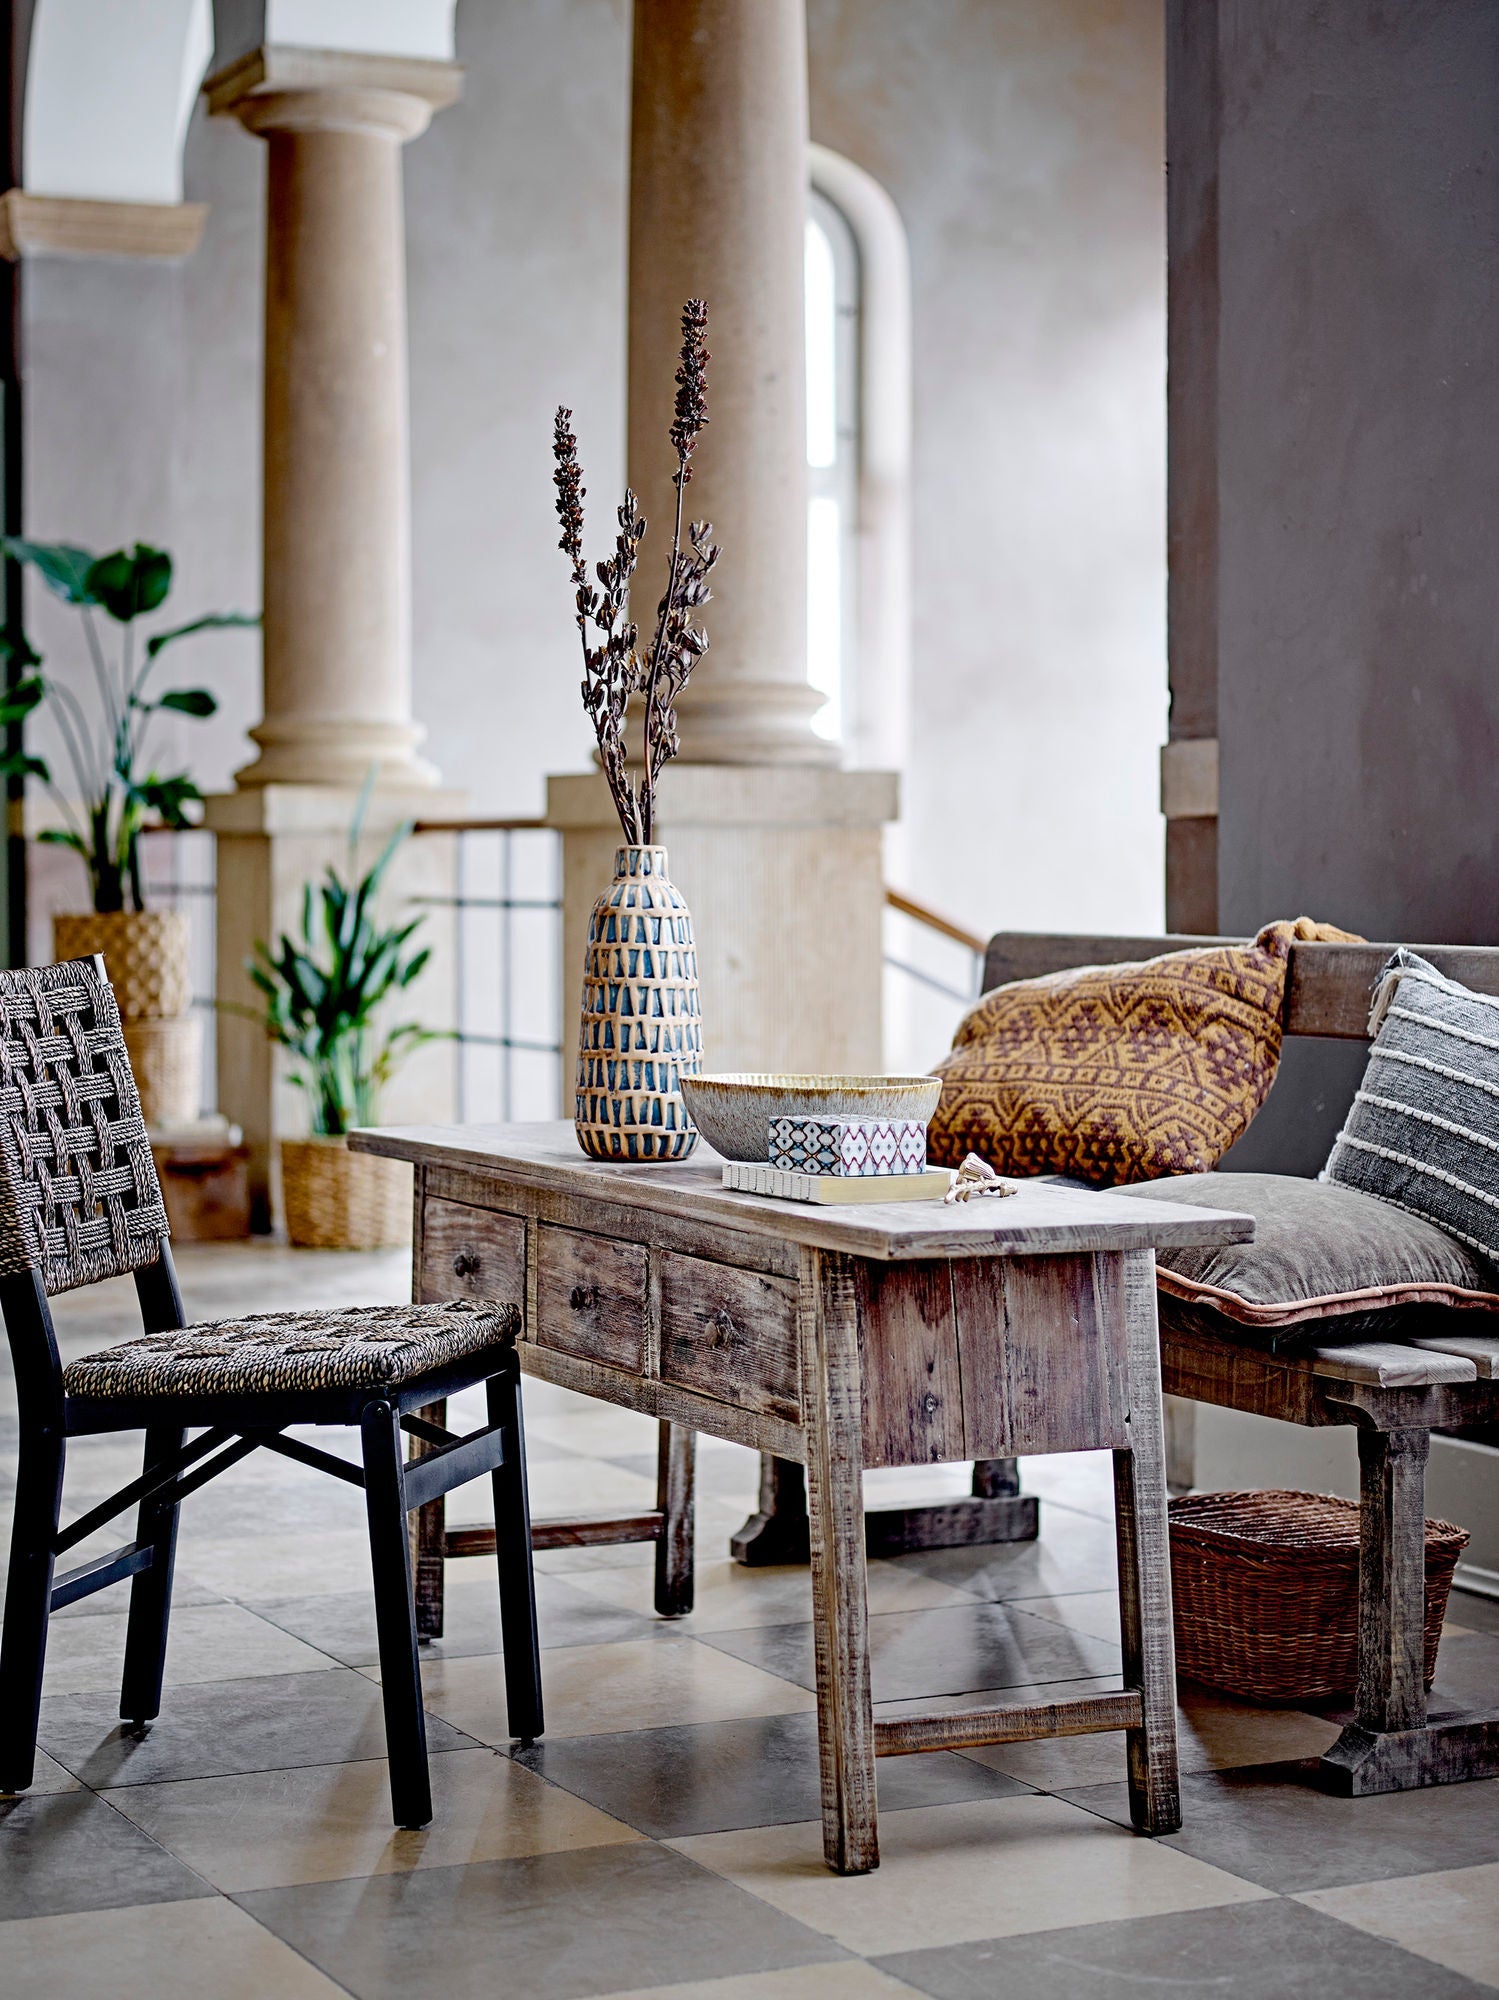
x: 733, y: 1113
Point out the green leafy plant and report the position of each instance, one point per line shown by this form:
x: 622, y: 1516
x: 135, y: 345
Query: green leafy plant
x: 323, y: 989
x: 114, y: 791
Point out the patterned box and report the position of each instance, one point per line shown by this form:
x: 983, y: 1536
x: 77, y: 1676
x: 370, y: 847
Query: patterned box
x: 857, y: 1147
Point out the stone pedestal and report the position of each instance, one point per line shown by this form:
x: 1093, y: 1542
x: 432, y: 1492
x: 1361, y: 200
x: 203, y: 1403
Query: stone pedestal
x: 272, y: 840
x: 781, y: 868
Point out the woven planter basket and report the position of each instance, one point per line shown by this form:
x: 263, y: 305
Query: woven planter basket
x: 145, y: 956
x: 166, y: 1058
x: 333, y: 1199
x: 1265, y: 1587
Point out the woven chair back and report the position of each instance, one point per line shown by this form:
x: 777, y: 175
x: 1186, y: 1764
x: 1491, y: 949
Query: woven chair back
x: 79, y: 1197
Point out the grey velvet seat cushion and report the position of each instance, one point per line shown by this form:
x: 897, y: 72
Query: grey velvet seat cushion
x: 1327, y: 1263
x: 350, y: 1347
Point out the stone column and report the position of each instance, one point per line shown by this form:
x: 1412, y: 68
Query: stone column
x: 337, y: 544
x: 718, y: 202
x: 780, y: 865
x: 337, y: 526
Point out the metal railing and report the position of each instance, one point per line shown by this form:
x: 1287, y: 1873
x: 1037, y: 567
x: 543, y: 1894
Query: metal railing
x: 509, y: 984
x: 507, y: 915
x: 944, y: 927
x: 179, y: 871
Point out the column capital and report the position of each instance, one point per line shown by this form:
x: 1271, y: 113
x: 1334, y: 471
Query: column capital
x: 277, y: 88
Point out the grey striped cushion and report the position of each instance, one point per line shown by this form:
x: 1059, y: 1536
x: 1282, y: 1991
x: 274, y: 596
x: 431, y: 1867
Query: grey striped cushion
x: 1423, y: 1130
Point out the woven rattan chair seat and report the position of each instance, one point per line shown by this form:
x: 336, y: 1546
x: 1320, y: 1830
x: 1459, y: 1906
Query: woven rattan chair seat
x: 354, y: 1347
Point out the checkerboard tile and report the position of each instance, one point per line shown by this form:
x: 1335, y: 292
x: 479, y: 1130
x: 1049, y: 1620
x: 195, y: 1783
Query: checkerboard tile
x: 661, y: 1842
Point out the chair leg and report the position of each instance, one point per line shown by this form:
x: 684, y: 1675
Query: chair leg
x: 512, y: 1540
x: 395, y: 1615
x: 28, y: 1604
x: 151, y: 1591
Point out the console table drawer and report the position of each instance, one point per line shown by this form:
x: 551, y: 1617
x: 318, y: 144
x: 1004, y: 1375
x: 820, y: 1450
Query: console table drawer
x: 591, y: 1297
x: 472, y: 1253
x: 730, y: 1334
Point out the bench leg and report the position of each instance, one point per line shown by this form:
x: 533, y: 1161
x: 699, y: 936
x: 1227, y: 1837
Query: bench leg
x: 777, y: 1530
x: 1145, y: 1564
x: 676, y: 1453
x: 997, y: 1511
x: 829, y: 1341
x: 1391, y: 1746
x: 1392, y: 1579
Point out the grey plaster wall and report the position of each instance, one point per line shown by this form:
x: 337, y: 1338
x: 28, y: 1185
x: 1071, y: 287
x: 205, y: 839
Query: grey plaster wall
x: 1348, y: 419
x: 1022, y: 143
x: 143, y: 423
x: 1359, y: 486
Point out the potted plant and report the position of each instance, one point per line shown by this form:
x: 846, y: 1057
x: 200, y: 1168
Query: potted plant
x: 323, y: 990
x: 112, y: 791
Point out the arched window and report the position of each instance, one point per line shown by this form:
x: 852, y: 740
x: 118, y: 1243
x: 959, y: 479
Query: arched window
x: 858, y: 310
x: 832, y: 291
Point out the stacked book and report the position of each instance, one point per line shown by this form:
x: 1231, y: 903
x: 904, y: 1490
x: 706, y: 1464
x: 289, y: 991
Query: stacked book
x: 842, y: 1160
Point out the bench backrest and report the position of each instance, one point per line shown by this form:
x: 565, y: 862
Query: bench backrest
x: 1328, y: 991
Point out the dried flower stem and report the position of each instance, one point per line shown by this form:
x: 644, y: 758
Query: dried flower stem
x: 614, y: 671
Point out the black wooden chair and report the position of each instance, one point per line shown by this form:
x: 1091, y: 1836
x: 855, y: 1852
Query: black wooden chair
x: 79, y: 1201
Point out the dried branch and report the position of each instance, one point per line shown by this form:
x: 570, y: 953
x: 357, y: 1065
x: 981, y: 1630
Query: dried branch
x: 614, y: 670
x: 609, y: 671
x: 665, y: 676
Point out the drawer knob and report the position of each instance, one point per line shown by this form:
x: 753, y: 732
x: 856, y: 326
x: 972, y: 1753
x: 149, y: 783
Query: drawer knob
x: 724, y: 1329
x: 584, y: 1296
x: 465, y: 1264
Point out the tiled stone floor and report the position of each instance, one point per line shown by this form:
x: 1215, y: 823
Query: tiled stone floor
x: 663, y: 1836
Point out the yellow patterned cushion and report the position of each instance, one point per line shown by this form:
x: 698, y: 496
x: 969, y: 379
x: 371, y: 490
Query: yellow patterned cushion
x: 1120, y: 1073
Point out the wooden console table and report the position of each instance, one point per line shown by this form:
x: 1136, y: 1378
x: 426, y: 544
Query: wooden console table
x: 839, y: 1338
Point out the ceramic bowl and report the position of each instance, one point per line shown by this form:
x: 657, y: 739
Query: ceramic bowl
x: 733, y: 1113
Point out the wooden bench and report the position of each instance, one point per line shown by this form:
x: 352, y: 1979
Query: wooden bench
x: 1394, y: 1393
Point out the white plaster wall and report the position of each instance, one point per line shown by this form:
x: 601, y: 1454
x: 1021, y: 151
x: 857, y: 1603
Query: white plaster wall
x: 1022, y: 144
x: 109, y: 91
x: 422, y: 28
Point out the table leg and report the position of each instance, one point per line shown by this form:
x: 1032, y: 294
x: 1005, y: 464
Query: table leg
x: 831, y: 1411
x: 1145, y: 1563
x: 428, y: 1530
x: 676, y: 1453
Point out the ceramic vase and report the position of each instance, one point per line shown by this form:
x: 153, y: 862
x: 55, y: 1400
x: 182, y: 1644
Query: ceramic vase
x: 641, y: 1029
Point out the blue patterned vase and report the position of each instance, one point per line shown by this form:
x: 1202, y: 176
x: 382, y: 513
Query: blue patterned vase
x: 641, y: 1028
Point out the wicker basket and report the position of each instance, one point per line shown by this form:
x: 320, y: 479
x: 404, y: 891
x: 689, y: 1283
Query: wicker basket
x: 1266, y: 1592
x: 166, y: 1058
x: 333, y: 1199
x: 145, y: 955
